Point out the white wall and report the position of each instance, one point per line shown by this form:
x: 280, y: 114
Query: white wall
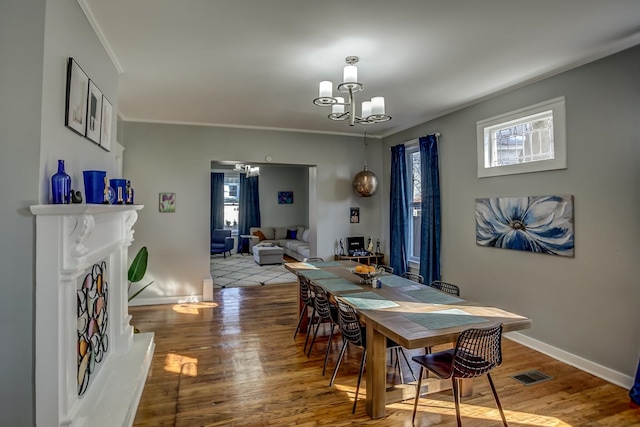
x: 176, y: 158
x: 281, y: 178
x: 586, y: 305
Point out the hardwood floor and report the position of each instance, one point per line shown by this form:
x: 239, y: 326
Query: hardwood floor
x: 234, y: 362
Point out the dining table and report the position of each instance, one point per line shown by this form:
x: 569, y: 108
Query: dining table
x: 412, y: 314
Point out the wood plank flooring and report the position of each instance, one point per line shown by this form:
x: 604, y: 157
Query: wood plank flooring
x: 234, y: 362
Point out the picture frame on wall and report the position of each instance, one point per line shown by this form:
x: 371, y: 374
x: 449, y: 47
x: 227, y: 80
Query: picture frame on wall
x: 167, y: 203
x: 285, y: 197
x: 94, y: 113
x: 105, y: 128
x: 75, y: 117
x: 354, y: 215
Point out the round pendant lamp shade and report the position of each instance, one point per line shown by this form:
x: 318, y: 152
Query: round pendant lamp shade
x: 365, y: 183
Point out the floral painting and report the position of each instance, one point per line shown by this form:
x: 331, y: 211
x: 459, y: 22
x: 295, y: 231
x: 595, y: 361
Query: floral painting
x: 542, y: 224
x: 167, y: 202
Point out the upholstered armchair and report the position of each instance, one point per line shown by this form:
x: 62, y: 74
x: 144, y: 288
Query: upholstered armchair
x: 221, y: 242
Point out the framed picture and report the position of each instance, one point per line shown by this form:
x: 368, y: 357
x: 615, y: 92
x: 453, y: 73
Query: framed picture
x: 94, y: 113
x: 105, y: 129
x: 542, y: 224
x: 75, y: 116
x: 167, y: 202
x: 285, y: 197
x: 354, y: 215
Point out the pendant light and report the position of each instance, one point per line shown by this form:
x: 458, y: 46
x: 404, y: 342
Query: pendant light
x: 365, y: 183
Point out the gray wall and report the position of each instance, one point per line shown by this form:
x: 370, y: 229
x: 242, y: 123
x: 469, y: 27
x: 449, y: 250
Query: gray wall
x: 36, y: 37
x: 586, y: 305
x: 20, y: 113
x: 176, y: 158
x: 274, y: 179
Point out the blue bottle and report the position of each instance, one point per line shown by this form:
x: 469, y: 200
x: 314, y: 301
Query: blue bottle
x: 61, y: 186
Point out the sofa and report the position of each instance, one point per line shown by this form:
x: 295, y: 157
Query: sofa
x: 294, y: 240
x: 221, y: 242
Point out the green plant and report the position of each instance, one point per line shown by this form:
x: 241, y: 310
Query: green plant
x: 137, y: 270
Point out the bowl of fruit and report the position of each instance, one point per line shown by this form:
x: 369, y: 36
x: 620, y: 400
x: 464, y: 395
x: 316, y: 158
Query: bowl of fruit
x: 367, y: 272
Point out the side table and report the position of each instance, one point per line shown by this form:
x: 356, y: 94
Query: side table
x: 245, y: 244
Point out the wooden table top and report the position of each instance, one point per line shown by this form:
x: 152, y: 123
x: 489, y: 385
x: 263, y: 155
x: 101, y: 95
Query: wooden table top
x: 402, y: 310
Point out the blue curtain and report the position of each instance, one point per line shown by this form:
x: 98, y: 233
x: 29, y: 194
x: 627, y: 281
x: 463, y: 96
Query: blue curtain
x: 399, y: 210
x: 217, y: 201
x: 634, y: 393
x: 430, y: 210
x: 249, y: 206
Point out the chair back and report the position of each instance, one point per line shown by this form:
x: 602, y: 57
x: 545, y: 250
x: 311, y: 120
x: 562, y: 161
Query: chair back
x: 350, y: 325
x: 315, y: 259
x: 446, y: 287
x: 305, y: 291
x: 386, y: 268
x: 324, y: 308
x: 219, y: 235
x: 413, y: 276
x: 477, y: 352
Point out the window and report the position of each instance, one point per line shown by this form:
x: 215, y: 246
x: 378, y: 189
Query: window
x: 531, y: 139
x: 231, y: 200
x: 415, y: 198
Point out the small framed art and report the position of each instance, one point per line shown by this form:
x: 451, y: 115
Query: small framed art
x: 94, y: 113
x: 354, y: 215
x: 167, y: 203
x: 105, y: 131
x: 75, y: 116
x: 285, y: 197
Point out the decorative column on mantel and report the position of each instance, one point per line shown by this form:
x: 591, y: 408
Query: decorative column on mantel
x: 90, y: 367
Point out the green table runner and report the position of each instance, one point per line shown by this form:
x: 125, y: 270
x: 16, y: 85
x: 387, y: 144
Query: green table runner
x: 337, y: 284
x: 394, y: 281
x: 369, y: 301
x: 324, y: 264
x: 445, y: 318
x: 433, y: 296
x: 317, y: 274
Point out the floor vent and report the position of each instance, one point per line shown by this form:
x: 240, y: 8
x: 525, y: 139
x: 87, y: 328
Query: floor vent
x: 531, y: 377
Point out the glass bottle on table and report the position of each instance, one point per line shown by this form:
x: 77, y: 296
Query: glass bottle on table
x: 61, y: 186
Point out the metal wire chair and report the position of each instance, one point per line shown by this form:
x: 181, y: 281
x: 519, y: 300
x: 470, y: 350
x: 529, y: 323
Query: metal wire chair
x: 327, y: 313
x: 386, y: 268
x: 413, y: 276
x: 445, y: 287
x: 477, y: 352
x: 314, y: 259
x: 354, y: 333
x: 307, y: 299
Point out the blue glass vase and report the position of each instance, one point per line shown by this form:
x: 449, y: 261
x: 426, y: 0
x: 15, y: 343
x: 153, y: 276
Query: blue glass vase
x: 61, y: 186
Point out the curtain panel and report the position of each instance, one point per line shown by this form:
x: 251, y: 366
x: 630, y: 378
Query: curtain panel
x: 430, y: 209
x: 217, y: 201
x: 249, y: 205
x: 399, y: 210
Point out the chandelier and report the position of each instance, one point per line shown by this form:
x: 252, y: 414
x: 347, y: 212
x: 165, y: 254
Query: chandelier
x: 372, y: 111
x: 247, y: 169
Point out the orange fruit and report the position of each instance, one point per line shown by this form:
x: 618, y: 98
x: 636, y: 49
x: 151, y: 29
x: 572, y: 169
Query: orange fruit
x: 372, y: 269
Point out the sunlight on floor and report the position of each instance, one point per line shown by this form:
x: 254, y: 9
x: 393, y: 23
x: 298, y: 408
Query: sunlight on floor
x: 193, y: 308
x: 181, y: 365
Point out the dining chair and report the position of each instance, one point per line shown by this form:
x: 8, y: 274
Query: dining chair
x: 327, y: 313
x: 446, y: 287
x: 307, y: 300
x: 477, y: 352
x: 386, y: 268
x: 313, y: 259
x: 354, y: 333
x: 413, y: 276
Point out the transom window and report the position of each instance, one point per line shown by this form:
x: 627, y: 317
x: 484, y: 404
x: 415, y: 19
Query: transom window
x: 527, y: 140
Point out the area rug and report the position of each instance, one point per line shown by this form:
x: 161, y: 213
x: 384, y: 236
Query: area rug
x: 241, y: 270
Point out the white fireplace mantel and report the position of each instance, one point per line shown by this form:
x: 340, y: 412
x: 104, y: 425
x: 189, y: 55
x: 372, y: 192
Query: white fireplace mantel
x: 71, y: 240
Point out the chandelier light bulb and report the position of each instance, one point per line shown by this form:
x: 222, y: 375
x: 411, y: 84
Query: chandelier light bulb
x: 350, y: 74
x: 337, y: 108
x: 326, y: 89
x: 377, y: 105
x: 366, y: 109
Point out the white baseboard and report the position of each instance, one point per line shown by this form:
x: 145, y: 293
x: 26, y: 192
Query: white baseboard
x: 165, y: 300
x: 599, y: 371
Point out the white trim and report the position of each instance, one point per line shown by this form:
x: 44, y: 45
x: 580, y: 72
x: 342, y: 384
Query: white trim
x: 557, y: 106
x: 614, y: 377
x: 166, y: 300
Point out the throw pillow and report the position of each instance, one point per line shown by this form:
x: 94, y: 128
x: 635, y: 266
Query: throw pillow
x: 260, y: 235
x: 305, y: 236
x: 299, y: 232
x: 291, y: 234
